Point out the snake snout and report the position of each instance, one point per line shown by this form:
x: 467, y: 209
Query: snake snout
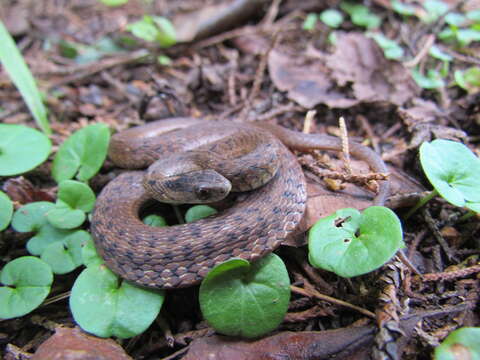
x: 195, y: 187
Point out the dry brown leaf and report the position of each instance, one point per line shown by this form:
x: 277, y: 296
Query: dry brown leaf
x: 74, y: 344
x: 341, y: 344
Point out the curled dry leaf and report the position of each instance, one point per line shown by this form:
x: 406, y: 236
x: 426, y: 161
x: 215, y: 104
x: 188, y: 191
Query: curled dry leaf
x: 22, y: 191
x: 73, y: 344
x: 340, y: 343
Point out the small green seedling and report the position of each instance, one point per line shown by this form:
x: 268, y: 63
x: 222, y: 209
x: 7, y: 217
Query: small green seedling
x: 74, y: 199
x: 155, y: 220
x: 17, y: 69
x: 198, y: 212
x: 453, y: 170
x: 461, y: 344
x: 332, y: 18
x: 433, y: 10
x: 350, y: 243
x: 6, y: 210
x: 361, y: 15
x: 469, y: 80
x: 114, y: 3
x: 82, y: 154
x: 154, y: 29
x: 84, y: 54
x: 21, y: 149
x: 432, y: 80
x: 390, y: 48
x: 310, y: 22
x: 61, y: 249
x: 403, y: 9
x: 248, y: 300
x: 105, y: 306
x: 24, y: 283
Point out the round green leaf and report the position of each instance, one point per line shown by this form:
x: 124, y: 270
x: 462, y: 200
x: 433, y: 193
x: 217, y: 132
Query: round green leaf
x: 21, y: 149
x: 240, y: 299
x: 103, y: 306
x: 310, y: 22
x: 461, y: 344
x: 77, y: 195
x: 83, y: 153
x: 89, y: 254
x: 33, y: 218
x: 66, y: 255
x: 332, y: 18
x: 166, y: 35
x: 155, y: 220
x: 6, y: 210
x: 349, y: 243
x: 198, y: 212
x: 452, y: 169
x: 63, y: 216
x: 26, y: 283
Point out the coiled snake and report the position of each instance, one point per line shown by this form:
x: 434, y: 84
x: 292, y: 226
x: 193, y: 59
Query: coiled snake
x: 196, y: 159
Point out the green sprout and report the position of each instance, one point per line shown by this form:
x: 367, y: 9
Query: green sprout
x: 248, y: 300
x: 21, y: 149
x: 17, y: 69
x: 154, y: 29
x: 453, y: 171
x: 361, y: 15
x: 350, y: 243
x: 82, y: 154
x: 24, y: 283
x: 460, y: 344
x: 310, y: 22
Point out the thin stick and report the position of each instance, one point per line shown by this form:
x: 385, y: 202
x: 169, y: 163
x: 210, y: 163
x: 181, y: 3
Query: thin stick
x: 316, y: 294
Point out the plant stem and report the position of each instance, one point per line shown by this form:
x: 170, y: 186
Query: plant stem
x: 421, y: 202
x: 466, y: 216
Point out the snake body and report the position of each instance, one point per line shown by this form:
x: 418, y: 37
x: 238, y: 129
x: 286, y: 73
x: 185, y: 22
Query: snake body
x: 249, y: 155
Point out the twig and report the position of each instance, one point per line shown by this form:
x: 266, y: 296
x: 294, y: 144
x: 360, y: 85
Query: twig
x: 307, y: 124
x: 430, y: 40
x: 449, y: 275
x: 316, y: 294
x: 345, y: 146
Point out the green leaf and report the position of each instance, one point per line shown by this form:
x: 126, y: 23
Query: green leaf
x: 82, y: 154
x: 432, y: 80
x: 403, y: 9
x: 103, y: 306
x: 89, y: 254
x: 198, y: 212
x: 439, y: 54
x: 240, y: 299
x: 154, y: 28
x: 361, y: 15
x: 18, y: 71
x: 473, y: 15
x: 350, y: 243
x: 455, y: 19
x: 6, y: 210
x: 390, y: 48
x: 66, y: 255
x: 21, y: 149
x: 113, y: 2
x: 466, y: 36
x: 332, y: 18
x: 452, y: 169
x: 310, y: 22
x: 469, y: 79
x: 155, y: 220
x: 433, y: 10
x: 460, y: 344
x: 74, y: 200
x: 26, y: 283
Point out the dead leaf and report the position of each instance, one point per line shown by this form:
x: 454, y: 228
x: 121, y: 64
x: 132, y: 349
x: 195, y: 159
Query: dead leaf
x: 22, y: 191
x: 304, y: 345
x: 74, y: 344
x: 306, y: 79
x: 359, y: 61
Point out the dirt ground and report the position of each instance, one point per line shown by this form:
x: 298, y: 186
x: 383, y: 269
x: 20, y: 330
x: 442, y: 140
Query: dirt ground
x: 260, y: 64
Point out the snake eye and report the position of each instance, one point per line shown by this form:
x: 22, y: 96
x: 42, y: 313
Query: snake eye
x: 202, y: 193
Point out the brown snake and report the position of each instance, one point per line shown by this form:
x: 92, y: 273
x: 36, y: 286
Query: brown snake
x: 248, y: 154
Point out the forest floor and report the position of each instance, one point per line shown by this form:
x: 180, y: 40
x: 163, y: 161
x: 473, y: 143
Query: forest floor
x: 273, y: 61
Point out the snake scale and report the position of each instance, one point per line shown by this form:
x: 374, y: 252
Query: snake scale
x: 247, y: 154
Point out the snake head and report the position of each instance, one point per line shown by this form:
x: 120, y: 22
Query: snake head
x: 168, y: 182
